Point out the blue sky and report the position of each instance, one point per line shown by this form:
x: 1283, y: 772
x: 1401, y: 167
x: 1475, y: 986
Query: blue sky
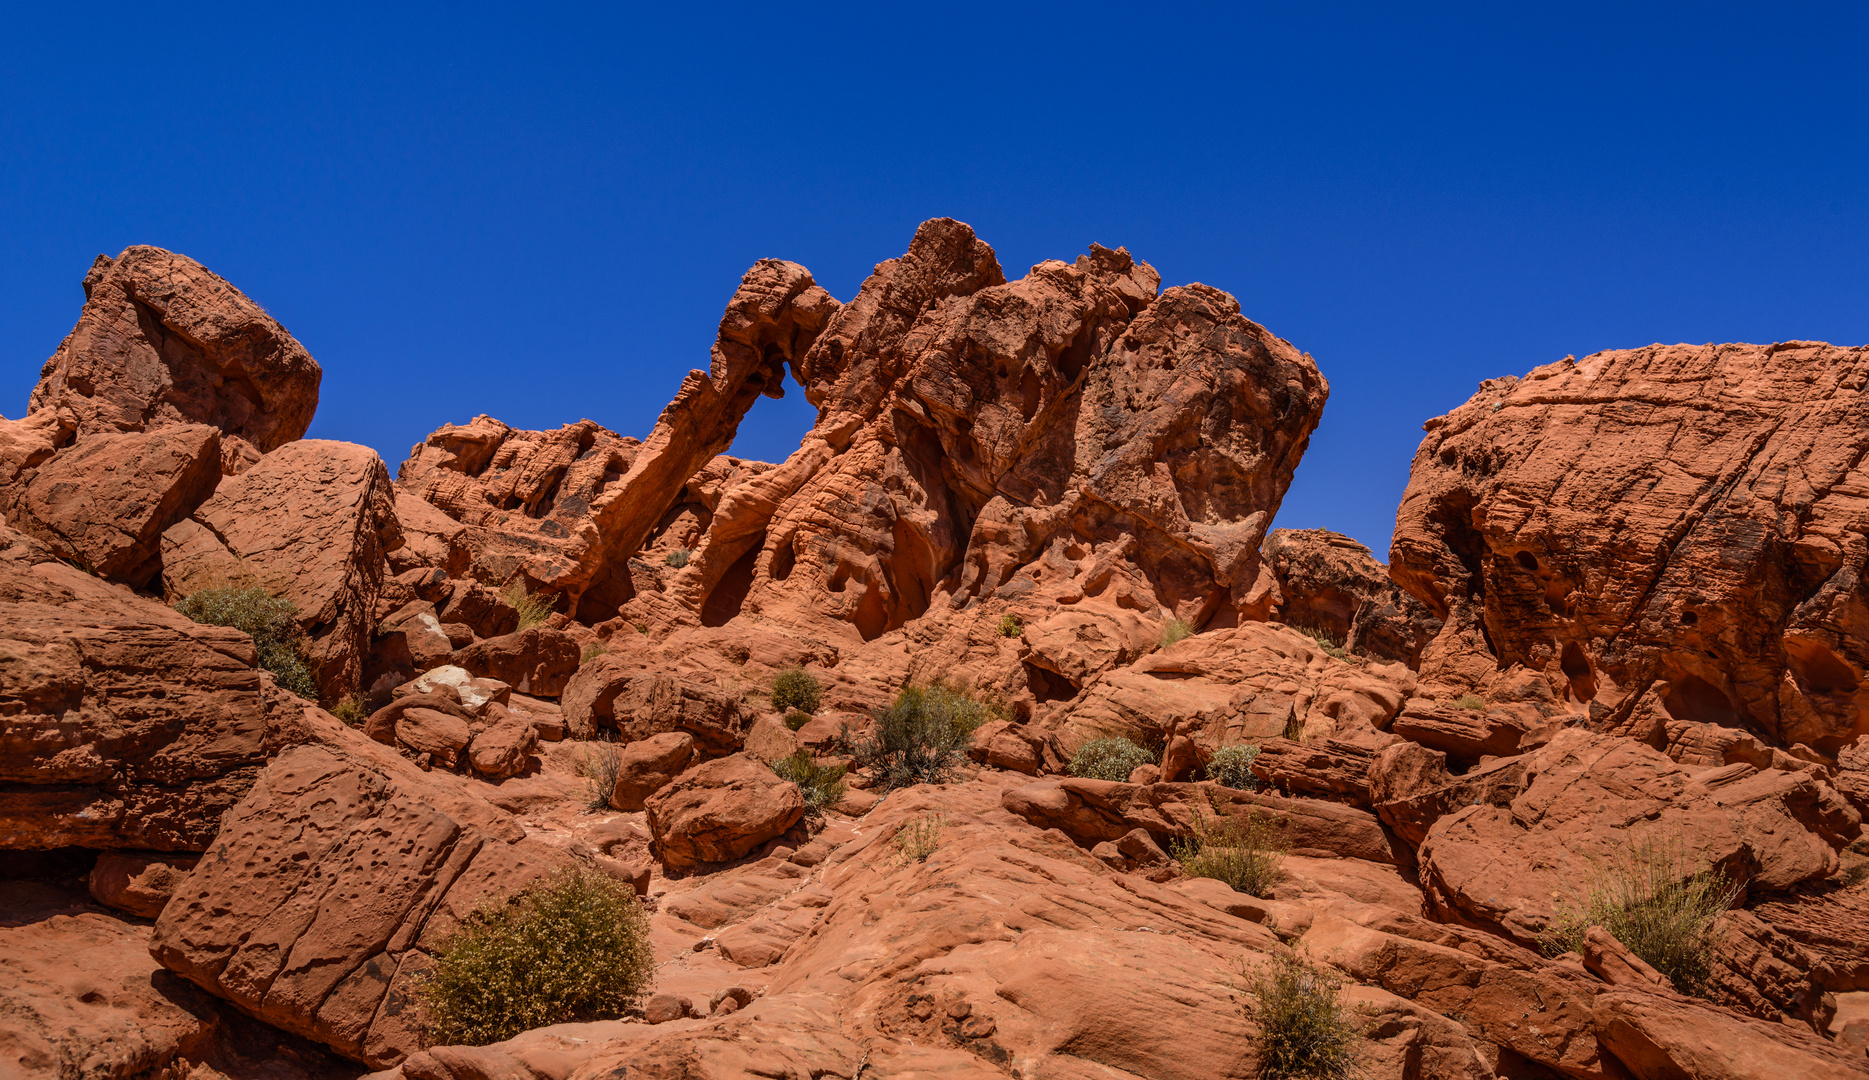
x: 539, y: 213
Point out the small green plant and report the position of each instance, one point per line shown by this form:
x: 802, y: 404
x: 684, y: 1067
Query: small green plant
x: 1244, y: 850
x: 1232, y: 766
x: 533, y: 608
x: 1176, y: 630
x: 796, y: 718
x: 599, y: 762
x: 677, y: 558
x: 1469, y: 701
x: 1326, y: 640
x: 1305, y: 1033
x: 1658, y: 899
x: 922, y: 736
x: 794, y: 688
x: 271, y: 621
x: 918, y: 838
x: 1109, y: 759
x: 591, y: 652
x: 1009, y: 625
x: 572, y: 949
x: 821, y: 785
x: 351, y: 711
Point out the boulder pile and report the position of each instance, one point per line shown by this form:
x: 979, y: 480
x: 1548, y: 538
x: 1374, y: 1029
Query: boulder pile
x: 278, y: 730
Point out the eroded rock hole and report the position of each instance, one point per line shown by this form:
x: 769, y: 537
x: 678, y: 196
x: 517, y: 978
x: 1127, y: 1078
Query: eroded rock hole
x: 729, y: 593
x: 1819, y: 670
x: 1698, y: 701
x: 1048, y: 685
x: 1577, y: 669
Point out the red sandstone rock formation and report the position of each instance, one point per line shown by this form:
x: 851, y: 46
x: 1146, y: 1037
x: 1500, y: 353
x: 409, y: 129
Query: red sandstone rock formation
x: 1332, y: 584
x: 1671, y: 536
x: 163, y: 341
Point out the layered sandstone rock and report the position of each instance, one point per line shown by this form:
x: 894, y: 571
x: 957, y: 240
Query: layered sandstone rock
x: 1330, y: 583
x: 1670, y: 534
x: 164, y: 341
x: 312, y: 523
x: 122, y: 724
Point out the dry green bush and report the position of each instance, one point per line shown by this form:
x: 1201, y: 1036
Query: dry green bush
x: 1657, y: 898
x: 922, y: 737
x: 1232, y: 766
x: 918, y: 837
x: 1243, y: 850
x: 591, y: 652
x: 796, y: 688
x: 1469, y: 701
x: 572, y: 949
x: 351, y: 711
x: 677, y: 558
x: 821, y: 785
x: 271, y: 621
x: 533, y: 608
x: 1326, y: 640
x: 1304, y: 1030
x: 796, y: 719
x: 1109, y: 759
x: 1009, y: 625
x: 1176, y: 630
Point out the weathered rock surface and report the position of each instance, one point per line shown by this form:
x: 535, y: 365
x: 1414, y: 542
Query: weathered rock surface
x: 163, y: 341
x: 648, y: 765
x: 721, y: 810
x: 1331, y: 583
x: 122, y: 724
x: 104, y: 502
x: 311, y: 522
x: 137, y: 882
x: 1666, y: 533
x: 537, y: 660
x: 1583, y: 799
x: 329, y: 886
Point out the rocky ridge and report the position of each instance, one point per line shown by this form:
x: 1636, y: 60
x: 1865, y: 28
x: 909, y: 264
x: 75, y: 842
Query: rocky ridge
x: 1053, y: 493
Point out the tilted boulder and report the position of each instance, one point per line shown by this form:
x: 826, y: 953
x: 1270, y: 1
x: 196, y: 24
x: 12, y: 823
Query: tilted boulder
x: 104, y: 502
x: 537, y: 660
x: 1330, y: 583
x: 632, y: 694
x: 163, y: 341
x: 1672, y: 533
x: 312, y: 523
x: 330, y: 886
x: 648, y: 765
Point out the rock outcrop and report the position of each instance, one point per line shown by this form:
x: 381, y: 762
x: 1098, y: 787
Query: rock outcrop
x: 164, y: 341
x: 1331, y: 584
x: 311, y: 522
x: 1671, y: 536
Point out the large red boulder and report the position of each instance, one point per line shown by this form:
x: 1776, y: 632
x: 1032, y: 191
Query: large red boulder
x: 104, y: 502
x: 1330, y: 583
x: 721, y: 810
x: 312, y: 522
x: 164, y: 341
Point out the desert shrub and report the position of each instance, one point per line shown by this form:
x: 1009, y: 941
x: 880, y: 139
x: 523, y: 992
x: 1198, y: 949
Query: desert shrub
x: 677, y: 558
x: 922, y: 736
x: 796, y: 718
x: 351, y: 711
x: 533, y: 608
x: 821, y: 785
x: 918, y: 838
x: 598, y: 763
x: 591, y: 652
x: 272, y: 623
x: 1009, y: 625
x: 1176, y: 630
x: 570, y: 950
x: 1326, y: 640
x: 794, y: 688
x: 1109, y: 759
x: 1232, y: 766
x: 1243, y: 850
x: 1469, y: 701
x: 1657, y: 898
x: 1304, y: 1030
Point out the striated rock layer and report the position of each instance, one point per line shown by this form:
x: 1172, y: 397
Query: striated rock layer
x: 1672, y: 536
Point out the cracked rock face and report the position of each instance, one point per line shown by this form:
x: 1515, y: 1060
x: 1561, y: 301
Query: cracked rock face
x: 1672, y: 535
